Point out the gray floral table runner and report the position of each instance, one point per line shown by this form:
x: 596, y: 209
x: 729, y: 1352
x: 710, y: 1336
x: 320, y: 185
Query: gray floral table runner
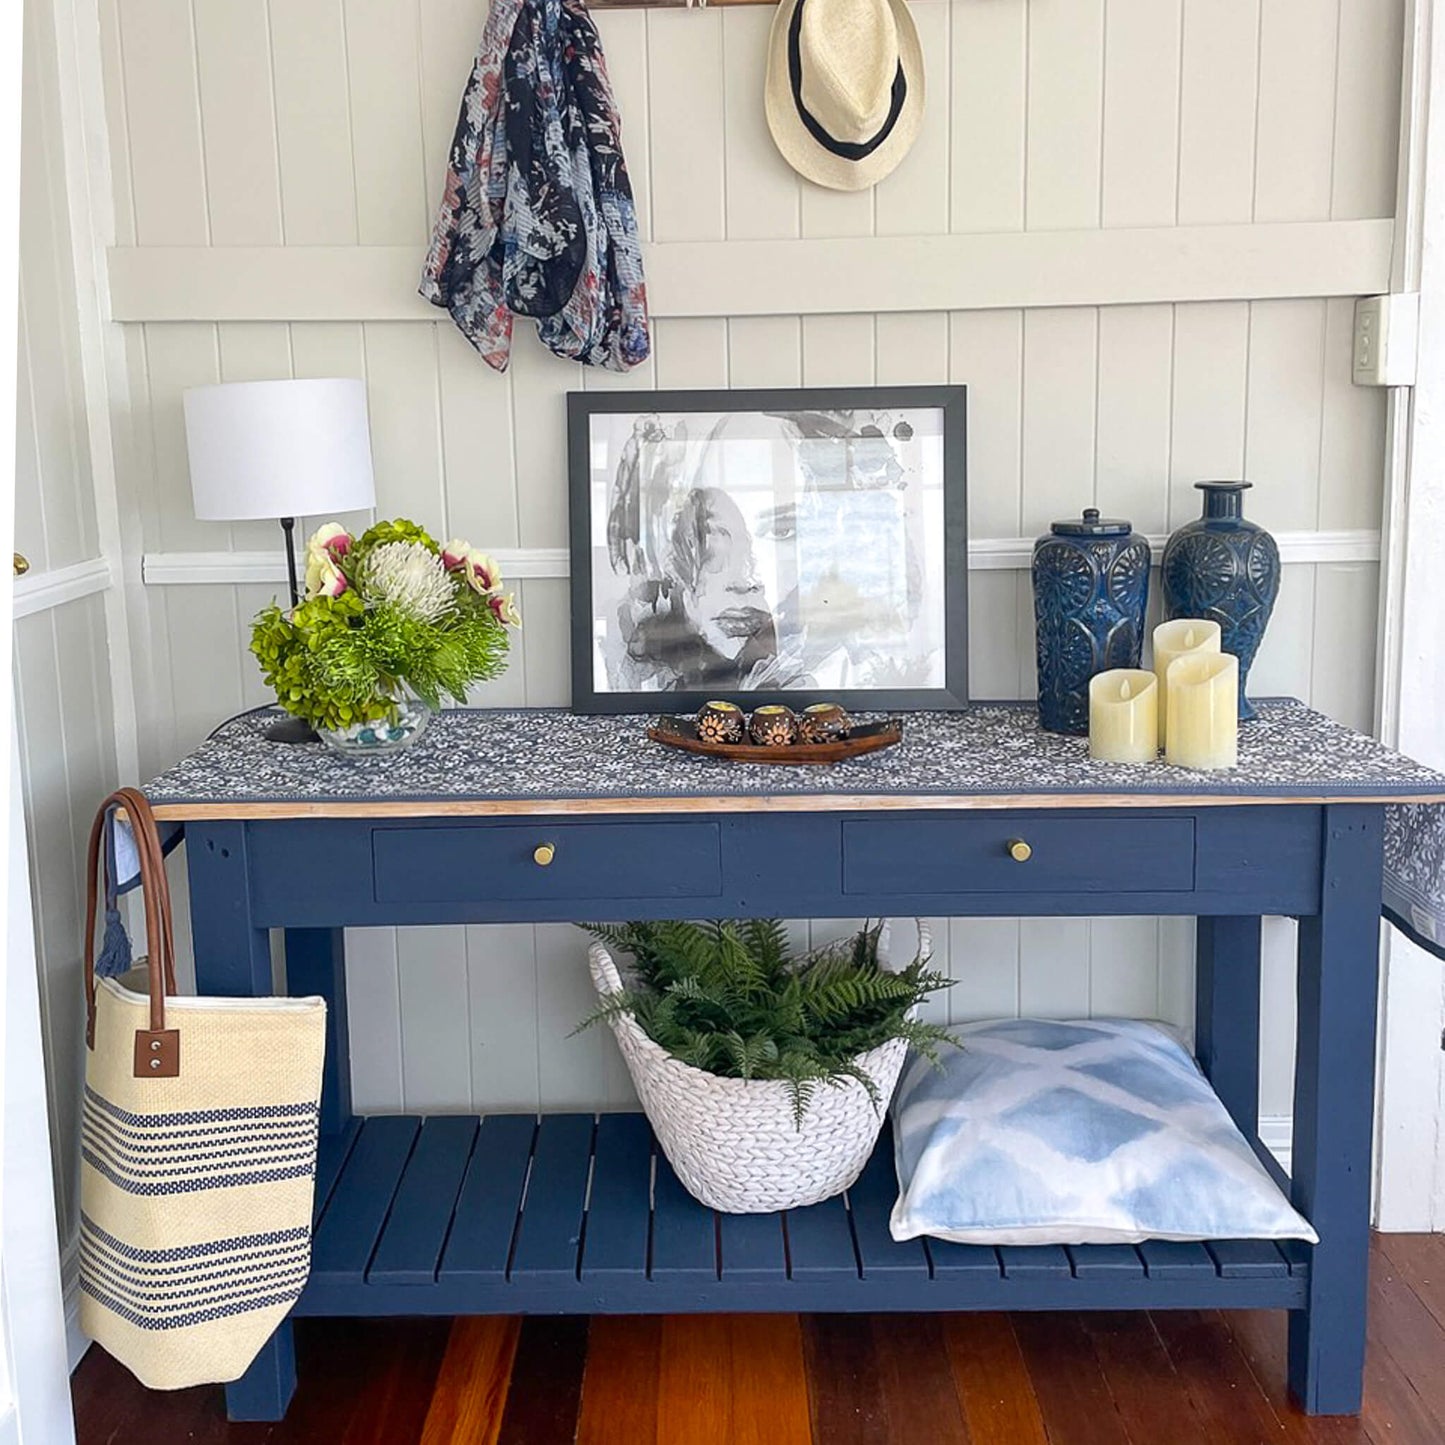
x: 988, y: 750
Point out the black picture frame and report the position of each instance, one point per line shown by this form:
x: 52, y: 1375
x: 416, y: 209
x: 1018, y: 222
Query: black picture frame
x: 951, y: 401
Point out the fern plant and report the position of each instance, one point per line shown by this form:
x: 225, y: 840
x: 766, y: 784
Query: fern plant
x: 732, y: 998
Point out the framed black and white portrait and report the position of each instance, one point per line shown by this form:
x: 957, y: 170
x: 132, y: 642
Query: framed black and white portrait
x: 801, y: 545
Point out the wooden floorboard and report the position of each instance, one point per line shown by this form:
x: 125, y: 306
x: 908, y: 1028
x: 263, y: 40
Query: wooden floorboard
x: 1171, y: 1378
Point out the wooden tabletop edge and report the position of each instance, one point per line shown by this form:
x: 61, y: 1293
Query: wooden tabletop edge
x: 752, y: 803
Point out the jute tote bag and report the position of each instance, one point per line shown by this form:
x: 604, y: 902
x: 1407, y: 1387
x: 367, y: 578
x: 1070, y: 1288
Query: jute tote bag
x: 198, y: 1151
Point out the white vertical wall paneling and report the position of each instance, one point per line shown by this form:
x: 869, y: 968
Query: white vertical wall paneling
x: 765, y: 351
x: 1342, y: 656
x: 163, y: 119
x: 539, y: 384
x: 178, y: 356
x: 1285, y: 663
x: 1054, y: 967
x: 1282, y: 439
x: 403, y: 398
x: 986, y: 355
x: 1294, y: 145
x: 313, y: 123
x: 838, y: 350
x: 983, y: 956
x: 1065, y: 98
x: 762, y: 189
x: 502, y: 1008
x: 436, y: 1054
x: 57, y: 482
x: 477, y: 451
x: 1123, y: 967
x: 383, y: 75
x: 685, y: 119
x: 29, y: 507
x: 238, y: 123
x: 373, y: 995
x: 117, y: 126
x: 691, y: 352
x: 1277, y: 1005
x: 1210, y: 381
x: 1135, y: 391
x: 988, y: 120
x: 911, y: 349
x: 910, y: 201
x: 1367, y: 109
x: 1060, y: 387
x: 1219, y: 73
x: 547, y: 656
x: 1141, y: 112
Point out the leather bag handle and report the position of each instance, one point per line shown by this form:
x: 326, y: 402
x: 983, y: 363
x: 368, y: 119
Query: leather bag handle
x: 157, y: 1048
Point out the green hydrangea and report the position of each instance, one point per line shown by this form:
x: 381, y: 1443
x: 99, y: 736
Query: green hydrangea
x: 337, y: 662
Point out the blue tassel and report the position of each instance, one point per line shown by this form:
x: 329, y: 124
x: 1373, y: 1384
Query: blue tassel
x: 115, y: 957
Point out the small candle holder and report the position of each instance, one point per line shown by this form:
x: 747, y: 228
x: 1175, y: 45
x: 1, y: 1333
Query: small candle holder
x: 721, y: 722
x: 773, y: 725
x: 1124, y: 716
x: 1203, y: 692
x: 1179, y: 637
x: 823, y: 722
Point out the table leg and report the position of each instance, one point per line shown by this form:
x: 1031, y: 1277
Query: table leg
x: 1226, y: 1013
x: 1334, y: 1102
x: 233, y: 959
x: 316, y: 964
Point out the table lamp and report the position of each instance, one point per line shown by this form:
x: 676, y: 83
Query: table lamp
x: 282, y: 449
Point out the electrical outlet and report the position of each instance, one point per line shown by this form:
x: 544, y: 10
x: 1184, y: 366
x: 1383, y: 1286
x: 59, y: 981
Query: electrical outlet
x: 1386, y: 329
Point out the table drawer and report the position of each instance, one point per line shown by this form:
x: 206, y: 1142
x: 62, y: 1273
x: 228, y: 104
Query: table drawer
x: 588, y: 861
x: 972, y: 855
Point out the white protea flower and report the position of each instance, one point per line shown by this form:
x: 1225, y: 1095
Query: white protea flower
x: 410, y: 578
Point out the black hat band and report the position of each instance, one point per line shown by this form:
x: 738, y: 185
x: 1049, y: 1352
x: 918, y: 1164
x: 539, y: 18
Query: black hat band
x: 846, y: 150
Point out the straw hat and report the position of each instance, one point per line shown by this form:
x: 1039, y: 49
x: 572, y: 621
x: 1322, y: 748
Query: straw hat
x: 845, y: 88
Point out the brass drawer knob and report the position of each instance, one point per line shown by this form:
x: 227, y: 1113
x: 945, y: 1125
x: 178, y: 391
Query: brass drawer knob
x: 1019, y: 851
x: 21, y: 565
x: 543, y: 854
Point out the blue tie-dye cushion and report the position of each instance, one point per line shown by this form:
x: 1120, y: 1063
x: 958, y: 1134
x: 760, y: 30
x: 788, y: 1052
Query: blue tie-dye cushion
x: 1096, y: 1132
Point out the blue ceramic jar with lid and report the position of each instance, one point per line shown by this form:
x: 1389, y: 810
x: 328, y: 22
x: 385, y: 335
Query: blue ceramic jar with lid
x: 1091, y: 586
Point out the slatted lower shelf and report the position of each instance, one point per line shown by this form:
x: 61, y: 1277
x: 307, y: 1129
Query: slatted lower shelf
x: 576, y: 1215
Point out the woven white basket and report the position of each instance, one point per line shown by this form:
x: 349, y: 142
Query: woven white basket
x: 734, y: 1142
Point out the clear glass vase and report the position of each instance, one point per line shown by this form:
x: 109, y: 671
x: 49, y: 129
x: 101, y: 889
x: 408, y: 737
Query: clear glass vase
x: 408, y: 720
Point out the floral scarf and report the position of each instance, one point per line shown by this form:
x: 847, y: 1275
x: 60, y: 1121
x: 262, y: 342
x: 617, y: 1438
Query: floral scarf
x: 537, y: 217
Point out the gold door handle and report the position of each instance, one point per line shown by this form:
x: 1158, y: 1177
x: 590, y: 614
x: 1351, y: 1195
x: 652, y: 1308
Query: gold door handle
x: 21, y: 564
x: 543, y: 854
x: 1019, y: 851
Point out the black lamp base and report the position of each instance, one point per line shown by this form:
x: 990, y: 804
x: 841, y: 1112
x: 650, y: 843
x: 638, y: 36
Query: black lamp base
x: 292, y: 730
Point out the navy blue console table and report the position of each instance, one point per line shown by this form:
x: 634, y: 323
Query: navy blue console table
x: 576, y: 1214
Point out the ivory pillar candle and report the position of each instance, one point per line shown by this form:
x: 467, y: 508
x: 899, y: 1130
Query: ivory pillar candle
x: 1176, y: 639
x: 1124, y: 716
x: 1203, y: 691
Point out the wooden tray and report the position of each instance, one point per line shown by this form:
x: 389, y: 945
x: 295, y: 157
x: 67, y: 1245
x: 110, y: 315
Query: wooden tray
x: 681, y: 732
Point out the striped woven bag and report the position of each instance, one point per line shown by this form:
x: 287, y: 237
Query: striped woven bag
x: 198, y: 1151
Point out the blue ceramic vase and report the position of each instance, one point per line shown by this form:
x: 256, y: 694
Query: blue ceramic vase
x: 1226, y: 569
x: 1091, y: 585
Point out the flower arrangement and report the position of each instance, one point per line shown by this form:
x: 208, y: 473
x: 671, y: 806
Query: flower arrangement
x: 388, y: 614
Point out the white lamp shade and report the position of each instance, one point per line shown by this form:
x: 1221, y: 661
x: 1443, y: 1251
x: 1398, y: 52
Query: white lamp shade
x: 279, y: 449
